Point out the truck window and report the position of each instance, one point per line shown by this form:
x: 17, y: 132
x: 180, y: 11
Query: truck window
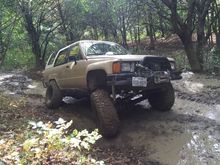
x: 75, y: 53
x: 52, y: 57
x: 62, y: 58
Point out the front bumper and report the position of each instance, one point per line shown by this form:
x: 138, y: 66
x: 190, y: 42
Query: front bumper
x: 176, y: 75
x: 120, y: 79
x: 125, y: 79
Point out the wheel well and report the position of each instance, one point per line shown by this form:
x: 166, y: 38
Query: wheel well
x: 51, y: 80
x: 95, y: 79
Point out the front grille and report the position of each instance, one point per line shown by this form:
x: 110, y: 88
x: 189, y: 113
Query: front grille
x: 156, y: 63
x: 143, y: 72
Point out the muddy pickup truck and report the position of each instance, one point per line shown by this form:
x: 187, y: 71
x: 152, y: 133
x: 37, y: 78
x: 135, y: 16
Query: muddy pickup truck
x: 110, y: 76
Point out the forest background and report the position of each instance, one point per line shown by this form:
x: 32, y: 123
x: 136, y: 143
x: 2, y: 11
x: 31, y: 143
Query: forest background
x: 187, y: 30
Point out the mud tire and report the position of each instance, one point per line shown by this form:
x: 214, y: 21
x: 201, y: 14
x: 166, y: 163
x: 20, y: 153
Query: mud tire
x: 53, y: 96
x: 163, y: 100
x: 105, y: 112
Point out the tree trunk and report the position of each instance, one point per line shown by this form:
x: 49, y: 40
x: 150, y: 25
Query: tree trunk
x: 191, y: 54
x: 152, y: 43
x: 115, y: 34
x: 34, y: 36
x: 131, y: 35
x: 95, y: 31
x: 201, y: 39
x: 151, y: 32
x: 124, y: 33
x: 2, y: 54
x: 162, y: 27
x: 218, y: 41
x: 63, y: 21
x: 105, y: 31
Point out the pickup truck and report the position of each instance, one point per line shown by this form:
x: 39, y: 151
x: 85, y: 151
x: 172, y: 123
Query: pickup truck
x: 110, y: 76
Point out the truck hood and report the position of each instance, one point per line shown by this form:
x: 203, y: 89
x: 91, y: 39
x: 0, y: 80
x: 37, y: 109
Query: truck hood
x: 121, y: 57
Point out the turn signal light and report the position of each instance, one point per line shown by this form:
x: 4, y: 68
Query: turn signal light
x: 116, y: 68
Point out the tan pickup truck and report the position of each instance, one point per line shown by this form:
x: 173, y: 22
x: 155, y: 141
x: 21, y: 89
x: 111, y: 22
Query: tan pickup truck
x: 111, y: 76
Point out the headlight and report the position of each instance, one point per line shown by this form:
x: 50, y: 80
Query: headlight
x: 127, y: 66
x: 119, y: 67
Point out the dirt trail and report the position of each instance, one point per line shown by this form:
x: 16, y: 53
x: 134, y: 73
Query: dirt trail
x: 189, y: 134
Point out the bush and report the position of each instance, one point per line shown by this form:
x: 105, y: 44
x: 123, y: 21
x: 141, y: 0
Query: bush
x: 45, y: 144
x: 18, y: 59
x: 216, y: 57
x: 212, y: 59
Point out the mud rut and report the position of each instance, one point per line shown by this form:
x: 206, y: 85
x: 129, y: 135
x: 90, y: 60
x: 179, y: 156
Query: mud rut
x: 189, y: 134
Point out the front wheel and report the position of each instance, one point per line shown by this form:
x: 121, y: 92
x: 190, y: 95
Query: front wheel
x: 107, y: 117
x: 53, y: 96
x: 164, y: 99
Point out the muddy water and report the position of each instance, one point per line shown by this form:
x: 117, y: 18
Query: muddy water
x: 189, y: 134
x: 214, y: 114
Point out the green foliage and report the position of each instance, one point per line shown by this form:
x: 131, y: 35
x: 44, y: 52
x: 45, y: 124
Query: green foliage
x: 216, y: 57
x: 17, y: 59
x: 56, y: 24
x: 211, y: 59
x: 43, y: 143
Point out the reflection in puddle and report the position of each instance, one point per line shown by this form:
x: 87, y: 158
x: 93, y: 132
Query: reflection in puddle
x: 4, y: 76
x: 31, y: 86
x: 214, y: 114
x: 188, y: 148
x: 194, y: 86
x: 12, y: 84
x: 201, y: 149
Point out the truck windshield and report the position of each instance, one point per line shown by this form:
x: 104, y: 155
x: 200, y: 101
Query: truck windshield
x: 103, y: 48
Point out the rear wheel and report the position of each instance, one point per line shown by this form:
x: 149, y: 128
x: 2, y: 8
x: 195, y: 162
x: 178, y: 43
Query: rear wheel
x: 106, y: 114
x: 53, y: 96
x: 163, y: 100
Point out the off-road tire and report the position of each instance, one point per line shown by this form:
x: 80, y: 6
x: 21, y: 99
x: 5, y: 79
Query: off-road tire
x: 53, y: 96
x: 163, y: 100
x: 106, y: 114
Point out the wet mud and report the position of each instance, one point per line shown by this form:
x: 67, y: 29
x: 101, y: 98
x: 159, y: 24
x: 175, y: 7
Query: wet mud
x: 189, y: 134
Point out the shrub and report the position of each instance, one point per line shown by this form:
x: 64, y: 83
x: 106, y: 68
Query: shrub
x: 18, y: 59
x: 216, y: 57
x: 212, y: 59
x: 43, y: 143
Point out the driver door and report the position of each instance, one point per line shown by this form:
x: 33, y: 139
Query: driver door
x: 75, y: 70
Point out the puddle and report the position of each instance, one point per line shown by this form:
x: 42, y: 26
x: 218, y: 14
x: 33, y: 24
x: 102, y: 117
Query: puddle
x: 15, y: 84
x: 188, y: 148
x: 169, y: 148
x: 201, y: 149
x: 214, y: 114
x: 4, y: 76
x: 35, y: 88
